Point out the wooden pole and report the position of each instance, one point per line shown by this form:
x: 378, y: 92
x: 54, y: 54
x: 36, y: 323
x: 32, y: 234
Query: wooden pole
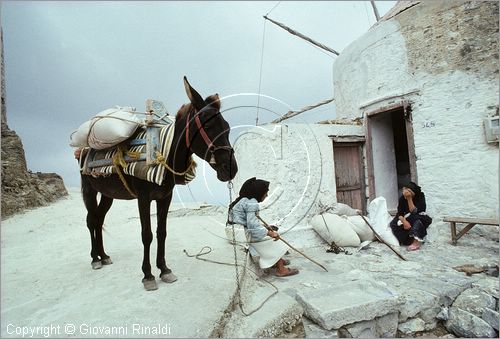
x: 375, y: 10
x: 302, y: 36
x: 288, y: 244
x: 305, y: 109
x: 379, y: 238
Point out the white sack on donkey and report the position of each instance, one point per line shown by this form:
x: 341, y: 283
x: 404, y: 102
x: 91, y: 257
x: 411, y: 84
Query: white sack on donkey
x: 107, y: 128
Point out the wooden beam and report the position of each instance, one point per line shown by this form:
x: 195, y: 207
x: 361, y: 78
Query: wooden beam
x: 375, y: 10
x: 305, y: 109
x: 302, y: 36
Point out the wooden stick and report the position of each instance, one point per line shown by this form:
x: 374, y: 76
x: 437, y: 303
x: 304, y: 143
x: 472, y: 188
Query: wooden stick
x: 379, y: 238
x: 302, y: 36
x: 293, y: 248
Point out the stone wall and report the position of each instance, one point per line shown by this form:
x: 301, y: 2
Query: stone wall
x: 298, y: 161
x: 22, y: 189
x: 442, y: 57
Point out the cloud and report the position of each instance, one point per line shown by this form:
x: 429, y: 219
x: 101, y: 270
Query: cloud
x: 67, y: 61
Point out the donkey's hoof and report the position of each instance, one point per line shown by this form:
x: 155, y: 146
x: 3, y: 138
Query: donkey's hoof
x: 96, y: 265
x: 107, y: 261
x: 149, y: 284
x: 168, y: 277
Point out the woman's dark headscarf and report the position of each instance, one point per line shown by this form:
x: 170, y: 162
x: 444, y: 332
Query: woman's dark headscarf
x: 253, y: 188
x: 415, y: 188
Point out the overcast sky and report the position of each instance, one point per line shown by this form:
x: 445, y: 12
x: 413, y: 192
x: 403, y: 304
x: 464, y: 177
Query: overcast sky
x: 67, y: 61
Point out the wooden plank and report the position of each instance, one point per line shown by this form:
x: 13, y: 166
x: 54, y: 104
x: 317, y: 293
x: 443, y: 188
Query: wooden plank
x: 349, y: 174
x: 109, y: 162
x: 412, y: 156
x: 465, y: 220
x: 453, y: 228
x: 137, y: 142
x: 152, y: 144
x: 369, y: 159
x: 340, y: 139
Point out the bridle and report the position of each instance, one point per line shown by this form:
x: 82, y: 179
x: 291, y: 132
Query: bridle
x: 211, y: 147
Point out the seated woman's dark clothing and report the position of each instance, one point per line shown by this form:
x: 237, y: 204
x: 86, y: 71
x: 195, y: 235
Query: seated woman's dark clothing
x: 416, y: 217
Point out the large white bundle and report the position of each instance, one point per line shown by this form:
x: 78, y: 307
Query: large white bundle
x: 79, y: 137
x: 336, y: 229
x: 343, y: 209
x: 106, y: 129
x: 359, y: 226
x: 380, y: 219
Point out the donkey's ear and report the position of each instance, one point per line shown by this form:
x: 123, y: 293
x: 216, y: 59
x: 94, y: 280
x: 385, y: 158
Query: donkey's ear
x: 193, y: 96
x: 213, y: 100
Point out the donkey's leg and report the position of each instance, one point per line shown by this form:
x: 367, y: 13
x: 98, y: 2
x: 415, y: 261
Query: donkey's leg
x: 90, y: 200
x: 147, y: 237
x: 162, y: 206
x: 103, y: 208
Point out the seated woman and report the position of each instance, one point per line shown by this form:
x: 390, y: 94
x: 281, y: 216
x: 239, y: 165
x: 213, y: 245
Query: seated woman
x: 411, y: 222
x: 244, y: 211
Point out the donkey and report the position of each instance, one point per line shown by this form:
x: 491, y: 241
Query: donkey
x: 199, y: 129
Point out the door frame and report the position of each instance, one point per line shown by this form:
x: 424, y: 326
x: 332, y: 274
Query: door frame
x: 406, y: 107
x: 350, y: 141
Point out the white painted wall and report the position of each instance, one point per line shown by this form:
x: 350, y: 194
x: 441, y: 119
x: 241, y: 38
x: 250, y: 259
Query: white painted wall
x: 299, y: 166
x: 456, y: 168
x: 372, y: 67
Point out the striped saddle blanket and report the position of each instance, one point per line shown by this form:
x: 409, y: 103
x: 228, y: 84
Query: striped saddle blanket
x: 130, y: 156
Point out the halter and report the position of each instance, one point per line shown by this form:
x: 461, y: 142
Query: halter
x: 211, y: 147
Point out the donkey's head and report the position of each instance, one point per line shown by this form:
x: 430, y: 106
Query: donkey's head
x: 207, y: 133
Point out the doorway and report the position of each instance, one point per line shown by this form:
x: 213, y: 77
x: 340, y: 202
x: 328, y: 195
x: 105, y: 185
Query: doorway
x: 390, y: 153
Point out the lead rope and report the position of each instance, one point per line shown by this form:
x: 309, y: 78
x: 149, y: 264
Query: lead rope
x: 238, y: 285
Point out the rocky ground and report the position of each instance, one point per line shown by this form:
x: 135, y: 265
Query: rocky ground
x: 46, y: 279
x: 373, y: 293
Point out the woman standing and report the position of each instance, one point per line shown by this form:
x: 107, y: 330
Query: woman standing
x: 244, y: 211
x: 411, y: 222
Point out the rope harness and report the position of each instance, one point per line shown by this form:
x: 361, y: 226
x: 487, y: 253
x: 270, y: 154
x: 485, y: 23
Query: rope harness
x: 118, y: 164
x: 207, y: 249
x: 160, y: 160
x: 247, y: 254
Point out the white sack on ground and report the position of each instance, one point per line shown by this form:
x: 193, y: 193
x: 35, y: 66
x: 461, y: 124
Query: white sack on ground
x: 359, y: 226
x: 336, y: 229
x: 343, y: 209
x: 380, y: 218
x: 106, y: 129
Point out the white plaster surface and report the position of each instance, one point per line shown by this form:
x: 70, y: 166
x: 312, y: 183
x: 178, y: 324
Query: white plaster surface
x: 298, y: 161
x: 46, y: 276
x: 456, y: 168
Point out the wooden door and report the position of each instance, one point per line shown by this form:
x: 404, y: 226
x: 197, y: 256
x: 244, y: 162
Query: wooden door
x: 350, y: 174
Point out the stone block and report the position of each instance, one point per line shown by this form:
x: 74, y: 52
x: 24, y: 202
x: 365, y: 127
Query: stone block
x: 438, y: 286
x: 380, y: 327
x: 475, y: 301
x: 465, y: 324
x: 278, y: 315
x: 416, y: 302
x: 346, y: 303
x: 313, y: 330
x: 491, y: 317
x: 387, y: 325
x: 429, y: 315
x: 412, y: 326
